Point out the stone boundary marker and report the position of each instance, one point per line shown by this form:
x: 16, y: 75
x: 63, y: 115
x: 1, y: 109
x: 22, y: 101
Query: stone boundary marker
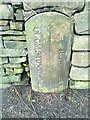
x: 13, y: 47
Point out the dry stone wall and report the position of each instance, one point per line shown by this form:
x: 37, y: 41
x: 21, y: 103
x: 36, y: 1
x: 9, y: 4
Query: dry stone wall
x: 13, y: 47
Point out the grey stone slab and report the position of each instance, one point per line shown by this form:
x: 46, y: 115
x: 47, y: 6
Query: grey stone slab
x: 10, y: 71
x: 27, y: 69
x: 19, y: 14
x: 16, y: 25
x: 66, y: 6
x: 49, y: 38
x: 6, y: 11
x: 3, y: 22
x: 11, y: 32
x: 77, y: 73
x: 2, y: 28
x: 13, y: 53
x: 1, y: 44
x: 81, y: 58
x: 15, y: 45
x: 81, y: 21
x: 3, y: 60
x: 2, y: 73
x: 79, y: 85
x: 9, y: 65
x: 18, y: 70
x: 17, y: 60
x: 16, y: 38
x: 81, y: 43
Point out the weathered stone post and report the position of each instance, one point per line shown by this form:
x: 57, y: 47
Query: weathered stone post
x: 49, y: 38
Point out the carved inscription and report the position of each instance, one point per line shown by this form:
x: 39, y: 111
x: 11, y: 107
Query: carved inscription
x: 37, y: 50
x: 61, y: 59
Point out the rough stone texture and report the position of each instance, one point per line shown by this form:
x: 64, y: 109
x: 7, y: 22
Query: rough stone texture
x: 81, y: 21
x: 3, y: 60
x: 17, y: 38
x: 80, y: 73
x: 27, y: 68
x: 17, y: 60
x: 63, y: 6
x: 15, y: 45
x: 19, y: 15
x: 81, y: 43
x: 6, y: 11
x: 2, y: 73
x: 13, y: 53
x: 10, y: 79
x: 2, y: 28
x: 49, y: 38
x: 16, y: 25
x: 11, y: 71
x: 81, y: 58
x: 12, y: 65
x: 3, y: 22
x: 29, y: 14
x: 1, y: 43
x: 11, y: 32
x: 18, y: 70
x: 79, y: 85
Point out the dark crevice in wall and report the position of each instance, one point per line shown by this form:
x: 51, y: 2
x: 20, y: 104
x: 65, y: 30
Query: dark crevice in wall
x: 79, y: 80
x: 79, y: 51
x: 24, y: 77
x: 80, y: 66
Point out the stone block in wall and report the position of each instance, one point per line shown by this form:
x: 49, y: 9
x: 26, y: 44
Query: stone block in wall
x: 81, y: 43
x: 66, y: 7
x: 9, y: 65
x: 3, y: 60
x: 10, y: 79
x: 81, y: 58
x: 6, y: 11
x: 17, y: 4
x: 17, y: 60
x: 13, y: 53
x: 16, y: 38
x: 3, y: 22
x: 2, y: 72
x: 9, y: 71
x: 13, y: 71
x: 79, y: 85
x: 19, y: 15
x: 77, y: 73
x: 27, y: 69
x: 1, y: 43
x: 11, y: 32
x: 16, y: 25
x: 81, y: 21
x: 2, y: 28
x: 18, y: 70
x: 15, y: 44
